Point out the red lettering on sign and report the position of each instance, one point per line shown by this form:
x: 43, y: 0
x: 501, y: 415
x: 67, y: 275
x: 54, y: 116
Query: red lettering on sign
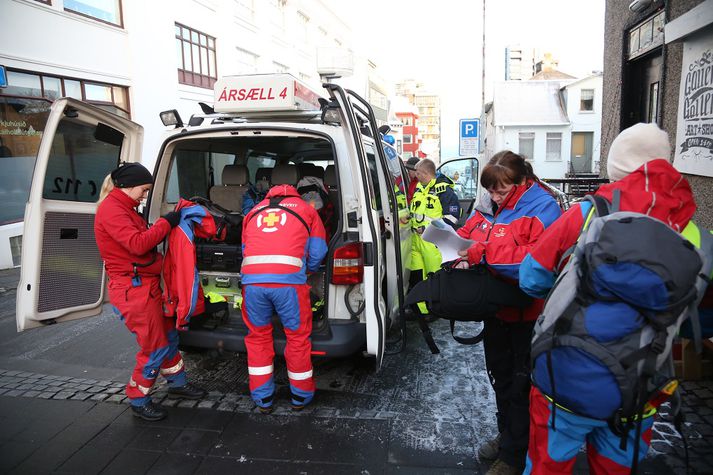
x: 241, y: 95
x: 269, y: 94
x: 223, y: 96
x: 283, y: 94
x: 231, y: 95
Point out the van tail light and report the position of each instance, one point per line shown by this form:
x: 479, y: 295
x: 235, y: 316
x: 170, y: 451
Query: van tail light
x: 348, y: 264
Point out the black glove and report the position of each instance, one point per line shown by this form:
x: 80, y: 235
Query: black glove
x: 173, y: 218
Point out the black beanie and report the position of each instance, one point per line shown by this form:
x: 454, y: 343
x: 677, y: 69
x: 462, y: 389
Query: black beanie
x: 131, y: 174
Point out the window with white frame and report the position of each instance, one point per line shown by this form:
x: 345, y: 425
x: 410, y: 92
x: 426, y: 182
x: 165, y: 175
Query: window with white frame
x: 247, y: 61
x: 526, y: 145
x: 586, y: 100
x: 407, y: 138
x: 554, y: 147
x: 108, y: 11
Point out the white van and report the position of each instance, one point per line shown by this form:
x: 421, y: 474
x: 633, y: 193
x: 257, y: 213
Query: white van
x: 258, y: 122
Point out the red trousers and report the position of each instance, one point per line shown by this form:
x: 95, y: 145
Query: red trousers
x: 141, y: 309
x: 553, y: 451
x: 291, y: 303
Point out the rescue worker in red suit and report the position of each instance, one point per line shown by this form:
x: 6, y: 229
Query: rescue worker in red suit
x: 133, y: 265
x: 505, y: 225
x: 638, y: 166
x: 283, y: 239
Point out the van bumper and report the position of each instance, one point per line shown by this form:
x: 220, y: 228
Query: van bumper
x: 338, y: 340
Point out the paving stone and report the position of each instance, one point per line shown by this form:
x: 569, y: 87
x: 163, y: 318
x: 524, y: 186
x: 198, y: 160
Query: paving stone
x: 95, y: 389
x: 3, y: 390
x: 170, y: 403
x: 13, y: 393
x: 56, y: 383
x: 99, y: 397
x: 63, y: 395
x: 117, y: 398
x: 205, y: 404
x: 39, y: 387
x: 176, y: 464
x: 31, y: 394
x: 78, y: 380
x: 188, y: 404
x: 11, y: 385
x: 63, y: 378
x: 24, y: 387
x: 46, y: 395
x: 81, y: 396
x: 194, y: 442
x: 131, y: 461
x: 226, y: 406
x: 113, y: 390
x: 12, y: 373
x: 26, y: 375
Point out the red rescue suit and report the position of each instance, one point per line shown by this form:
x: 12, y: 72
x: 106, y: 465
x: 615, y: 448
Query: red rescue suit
x: 283, y: 238
x: 183, y: 293
x: 133, y: 266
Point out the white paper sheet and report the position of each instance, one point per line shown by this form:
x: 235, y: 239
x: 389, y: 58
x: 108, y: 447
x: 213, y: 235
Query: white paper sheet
x: 446, y: 239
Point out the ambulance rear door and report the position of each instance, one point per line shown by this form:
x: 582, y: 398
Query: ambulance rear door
x: 373, y: 253
x: 62, y: 276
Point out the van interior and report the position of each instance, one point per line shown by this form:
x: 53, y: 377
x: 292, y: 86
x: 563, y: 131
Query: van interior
x: 226, y: 172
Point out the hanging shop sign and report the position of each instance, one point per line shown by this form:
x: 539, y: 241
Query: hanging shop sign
x: 694, y: 134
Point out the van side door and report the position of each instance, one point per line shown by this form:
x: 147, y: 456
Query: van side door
x: 62, y: 276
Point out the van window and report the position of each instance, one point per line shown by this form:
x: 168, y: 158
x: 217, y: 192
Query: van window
x: 374, y: 173
x: 82, y: 156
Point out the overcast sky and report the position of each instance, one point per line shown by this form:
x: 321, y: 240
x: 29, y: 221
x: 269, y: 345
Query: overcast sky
x: 440, y: 42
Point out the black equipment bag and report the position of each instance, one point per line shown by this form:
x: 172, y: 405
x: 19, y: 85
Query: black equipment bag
x: 464, y: 295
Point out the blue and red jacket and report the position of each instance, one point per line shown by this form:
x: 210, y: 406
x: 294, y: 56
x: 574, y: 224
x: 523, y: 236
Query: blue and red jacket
x: 183, y: 294
x: 656, y: 189
x: 278, y: 247
x: 510, y: 233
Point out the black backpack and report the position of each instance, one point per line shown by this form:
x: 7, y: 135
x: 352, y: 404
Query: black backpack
x: 464, y: 295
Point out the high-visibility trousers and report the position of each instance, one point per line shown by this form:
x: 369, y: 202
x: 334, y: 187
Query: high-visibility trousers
x: 425, y: 258
x: 141, y: 309
x: 291, y: 303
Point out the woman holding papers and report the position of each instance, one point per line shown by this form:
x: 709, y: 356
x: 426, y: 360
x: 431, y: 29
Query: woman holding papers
x: 505, y: 225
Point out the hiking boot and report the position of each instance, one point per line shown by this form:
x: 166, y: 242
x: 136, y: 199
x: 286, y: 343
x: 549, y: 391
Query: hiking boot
x: 503, y: 468
x: 188, y: 391
x: 490, y: 449
x: 265, y: 409
x: 149, y: 411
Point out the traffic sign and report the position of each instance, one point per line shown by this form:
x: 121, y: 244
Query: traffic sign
x: 3, y: 77
x: 469, y: 143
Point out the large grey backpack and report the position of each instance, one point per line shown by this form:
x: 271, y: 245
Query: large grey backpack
x: 602, y: 346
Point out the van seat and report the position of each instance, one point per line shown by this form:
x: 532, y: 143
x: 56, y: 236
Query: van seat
x: 285, y: 174
x: 310, y: 169
x: 330, y: 177
x: 234, y: 185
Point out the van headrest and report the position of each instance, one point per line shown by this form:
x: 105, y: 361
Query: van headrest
x: 285, y: 174
x: 263, y: 173
x: 235, y: 175
x: 330, y: 176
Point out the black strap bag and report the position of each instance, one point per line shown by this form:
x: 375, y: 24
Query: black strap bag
x: 464, y: 295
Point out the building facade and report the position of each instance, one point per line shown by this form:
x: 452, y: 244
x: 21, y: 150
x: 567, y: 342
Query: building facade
x: 655, y: 59
x: 583, y: 103
x: 138, y: 58
x: 429, y: 116
x: 519, y: 63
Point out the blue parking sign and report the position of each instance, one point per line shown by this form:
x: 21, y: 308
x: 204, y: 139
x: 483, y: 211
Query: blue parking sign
x: 3, y: 77
x: 469, y: 143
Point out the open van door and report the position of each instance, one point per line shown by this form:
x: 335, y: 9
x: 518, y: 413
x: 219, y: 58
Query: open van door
x: 370, y: 237
x: 62, y: 276
x: 465, y: 174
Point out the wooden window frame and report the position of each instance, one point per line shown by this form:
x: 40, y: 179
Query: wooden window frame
x: 189, y: 76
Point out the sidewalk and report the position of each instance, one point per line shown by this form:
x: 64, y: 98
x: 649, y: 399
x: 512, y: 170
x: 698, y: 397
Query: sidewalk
x: 56, y: 423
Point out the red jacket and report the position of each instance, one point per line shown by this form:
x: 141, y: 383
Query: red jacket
x: 123, y: 237
x: 656, y: 189
x: 183, y: 293
x: 278, y: 248
x: 507, y: 236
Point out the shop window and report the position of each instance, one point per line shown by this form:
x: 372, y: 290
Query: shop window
x: 108, y: 11
x: 22, y: 121
x: 195, y: 54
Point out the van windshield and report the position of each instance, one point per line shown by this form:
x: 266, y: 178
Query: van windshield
x: 198, y: 165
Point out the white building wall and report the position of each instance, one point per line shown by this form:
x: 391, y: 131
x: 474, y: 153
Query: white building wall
x: 585, y: 121
x: 507, y: 138
x: 142, y: 54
